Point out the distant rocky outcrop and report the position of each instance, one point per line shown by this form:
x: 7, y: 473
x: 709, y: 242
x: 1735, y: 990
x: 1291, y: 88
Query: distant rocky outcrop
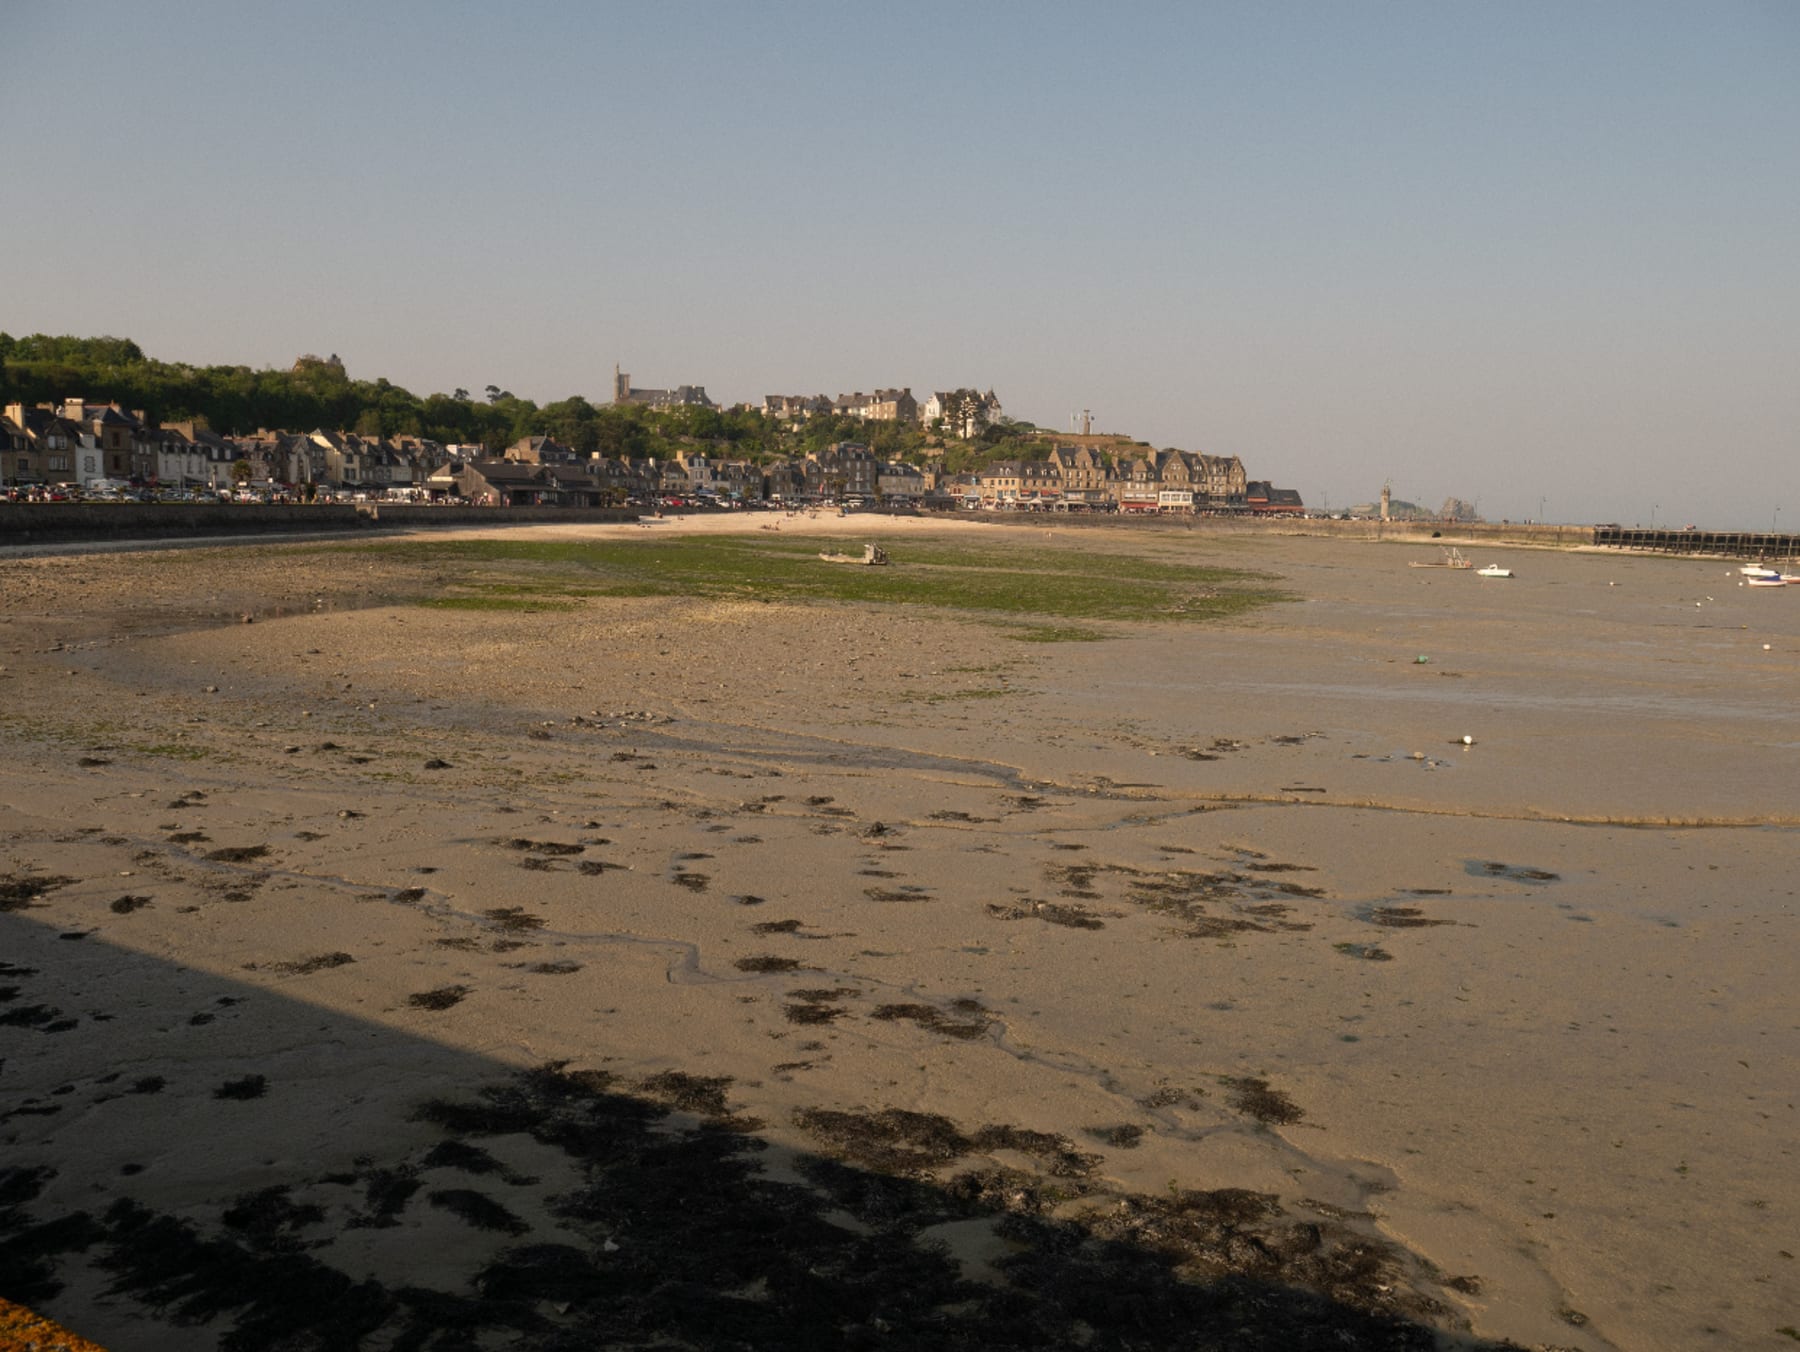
x: 1455, y: 509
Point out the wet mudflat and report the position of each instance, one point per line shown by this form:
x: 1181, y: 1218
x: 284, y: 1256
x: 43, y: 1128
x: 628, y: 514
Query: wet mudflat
x: 1084, y: 1011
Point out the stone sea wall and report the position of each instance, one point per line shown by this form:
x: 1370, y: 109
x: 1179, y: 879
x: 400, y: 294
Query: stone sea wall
x: 64, y: 522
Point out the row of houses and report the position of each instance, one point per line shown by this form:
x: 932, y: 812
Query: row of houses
x: 80, y: 443
x: 540, y: 470
x: 960, y: 413
x: 1081, y: 477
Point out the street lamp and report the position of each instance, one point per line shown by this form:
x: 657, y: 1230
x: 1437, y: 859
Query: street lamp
x: 1654, y: 509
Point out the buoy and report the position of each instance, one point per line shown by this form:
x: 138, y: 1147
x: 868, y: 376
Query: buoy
x: 1468, y: 740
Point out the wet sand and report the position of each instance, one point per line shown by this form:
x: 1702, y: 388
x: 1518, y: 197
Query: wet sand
x: 1498, y: 1035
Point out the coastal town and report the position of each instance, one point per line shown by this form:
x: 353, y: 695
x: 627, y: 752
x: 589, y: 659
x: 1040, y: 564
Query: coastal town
x: 77, y: 447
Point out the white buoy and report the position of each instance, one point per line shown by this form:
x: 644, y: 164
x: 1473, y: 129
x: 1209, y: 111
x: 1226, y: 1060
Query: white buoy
x: 1468, y: 740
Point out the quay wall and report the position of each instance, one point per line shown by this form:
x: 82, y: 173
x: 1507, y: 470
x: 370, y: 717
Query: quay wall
x: 39, y: 523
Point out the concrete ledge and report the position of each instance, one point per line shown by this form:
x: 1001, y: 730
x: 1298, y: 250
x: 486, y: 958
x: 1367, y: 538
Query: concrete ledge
x: 63, y: 522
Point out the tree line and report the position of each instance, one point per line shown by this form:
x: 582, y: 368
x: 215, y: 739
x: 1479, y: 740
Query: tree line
x: 317, y: 392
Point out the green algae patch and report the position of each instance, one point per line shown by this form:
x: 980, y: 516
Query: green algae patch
x: 527, y: 604
x: 1030, y: 583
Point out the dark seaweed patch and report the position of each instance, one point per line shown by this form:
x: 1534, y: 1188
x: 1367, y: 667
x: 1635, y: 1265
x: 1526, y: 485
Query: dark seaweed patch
x: 514, y: 919
x: 817, y: 1005
x: 307, y: 966
x: 128, y: 903
x: 932, y: 1018
x: 894, y: 1141
x: 42, y: 1017
x: 470, y: 1159
x: 1481, y: 868
x: 1254, y: 1098
x: 244, y: 1088
x: 1402, y: 917
x: 767, y: 962
x: 478, y: 1210
x: 441, y: 998
x: 553, y: 847
x: 1127, y: 1136
x: 905, y: 892
x: 1050, y: 912
x: 267, y: 1219
x: 17, y: 892
x: 237, y: 854
x: 702, y: 1095
x: 1055, y: 1153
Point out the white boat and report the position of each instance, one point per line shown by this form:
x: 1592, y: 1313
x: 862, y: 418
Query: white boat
x: 873, y: 556
x: 1493, y: 570
x: 1768, y: 579
x: 1754, y: 570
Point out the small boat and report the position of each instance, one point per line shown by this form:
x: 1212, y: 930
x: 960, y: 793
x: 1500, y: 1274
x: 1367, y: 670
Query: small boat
x: 1768, y: 579
x: 873, y: 556
x: 1493, y: 570
x: 1453, y: 558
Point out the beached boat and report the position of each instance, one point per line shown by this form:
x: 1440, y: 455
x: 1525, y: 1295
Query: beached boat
x: 1453, y: 558
x: 873, y: 556
x: 1769, y: 579
x: 1493, y: 570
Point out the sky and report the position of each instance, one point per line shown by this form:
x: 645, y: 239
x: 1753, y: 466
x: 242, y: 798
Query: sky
x: 1544, y: 257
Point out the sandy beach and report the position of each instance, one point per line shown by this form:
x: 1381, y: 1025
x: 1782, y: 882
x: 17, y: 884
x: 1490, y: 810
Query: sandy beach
x: 1404, y: 964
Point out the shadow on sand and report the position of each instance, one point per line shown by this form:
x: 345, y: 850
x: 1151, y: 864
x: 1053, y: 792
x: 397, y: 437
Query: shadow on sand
x: 193, y: 1162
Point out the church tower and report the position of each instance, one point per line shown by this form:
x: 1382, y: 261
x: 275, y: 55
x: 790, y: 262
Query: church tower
x: 1387, y: 499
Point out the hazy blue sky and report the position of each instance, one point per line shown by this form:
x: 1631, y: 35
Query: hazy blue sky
x: 1508, y: 252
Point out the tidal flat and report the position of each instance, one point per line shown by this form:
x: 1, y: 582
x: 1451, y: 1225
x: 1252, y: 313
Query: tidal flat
x: 652, y: 935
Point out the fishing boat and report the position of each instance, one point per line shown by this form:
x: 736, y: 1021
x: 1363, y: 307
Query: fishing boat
x: 1493, y: 570
x: 873, y: 556
x: 1453, y: 558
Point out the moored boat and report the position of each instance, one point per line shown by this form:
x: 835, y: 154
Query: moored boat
x: 1493, y: 570
x: 1453, y: 558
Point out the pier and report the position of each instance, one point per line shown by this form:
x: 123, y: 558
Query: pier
x: 1733, y: 544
